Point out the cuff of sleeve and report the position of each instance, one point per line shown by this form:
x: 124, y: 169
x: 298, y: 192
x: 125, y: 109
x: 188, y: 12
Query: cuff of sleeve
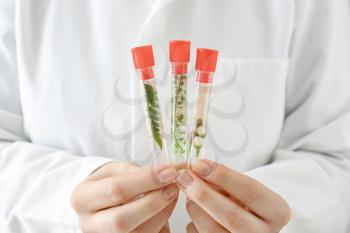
x: 40, y: 192
x: 306, y: 188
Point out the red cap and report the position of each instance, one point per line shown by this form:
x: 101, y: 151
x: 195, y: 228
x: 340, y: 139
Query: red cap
x: 179, y: 51
x: 206, y: 60
x: 143, y: 56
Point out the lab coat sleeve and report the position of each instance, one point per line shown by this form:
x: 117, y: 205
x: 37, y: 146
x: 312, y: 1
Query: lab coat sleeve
x: 311, y: 166
x: 35, y: 181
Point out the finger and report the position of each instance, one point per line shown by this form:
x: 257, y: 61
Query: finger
x: 165, y: 229
x: 190, y: 228
x: 129, y: 216
x: 179, y: 165
x: 158, y: 221
x: 115, y: 190
x: 202, y: 221
x: 257, y: 197
x: 227, y: 213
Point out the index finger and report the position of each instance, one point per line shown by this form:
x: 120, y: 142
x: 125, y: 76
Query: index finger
x: 116, y: 190
x: 226, y: 212
x: 257, y: 197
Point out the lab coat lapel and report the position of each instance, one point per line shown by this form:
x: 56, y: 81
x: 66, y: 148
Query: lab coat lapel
x: 151, y: 26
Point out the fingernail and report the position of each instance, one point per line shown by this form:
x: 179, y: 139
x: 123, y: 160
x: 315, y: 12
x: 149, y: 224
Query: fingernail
x: 170, y: 192
x: 184, y: 178
x: 201, y: 168
x: 167, y: 175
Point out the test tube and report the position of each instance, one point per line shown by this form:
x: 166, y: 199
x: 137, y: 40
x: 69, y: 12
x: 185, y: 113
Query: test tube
x: 144, y: 63
x: 179, y: 56
x: 206, y: 60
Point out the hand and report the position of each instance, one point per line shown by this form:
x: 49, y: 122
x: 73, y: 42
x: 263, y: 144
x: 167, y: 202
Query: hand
x: 123, y: 197
x: 223, y: 200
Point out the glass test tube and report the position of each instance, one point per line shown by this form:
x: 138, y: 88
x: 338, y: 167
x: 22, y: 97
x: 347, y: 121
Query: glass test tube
x: 144, y: 63
x: 179, y: 55
x: 206, y: 60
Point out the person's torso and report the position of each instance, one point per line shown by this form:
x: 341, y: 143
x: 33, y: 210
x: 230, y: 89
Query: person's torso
x: 79, y: 93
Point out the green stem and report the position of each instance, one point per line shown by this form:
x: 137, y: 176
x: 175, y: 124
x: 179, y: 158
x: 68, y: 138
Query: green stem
x: 179, y: 115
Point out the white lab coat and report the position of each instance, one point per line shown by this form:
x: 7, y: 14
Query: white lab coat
x: 279, y: 111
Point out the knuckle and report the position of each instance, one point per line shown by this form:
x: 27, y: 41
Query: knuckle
x: 151, y: 176
x: 116, y: 192
x: 253, y: 192
x: 152, y: 204
x: 76, y: 199
x: 218, y: 171
x: 254, y: 196
x: 283, y: 214
x: 235, y: 220
x: 74, y: 202
x: 201, y: 195
x: 120, y: 224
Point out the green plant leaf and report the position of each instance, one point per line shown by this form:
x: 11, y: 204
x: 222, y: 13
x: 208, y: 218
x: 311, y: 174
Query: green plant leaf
x: 153, y: 113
